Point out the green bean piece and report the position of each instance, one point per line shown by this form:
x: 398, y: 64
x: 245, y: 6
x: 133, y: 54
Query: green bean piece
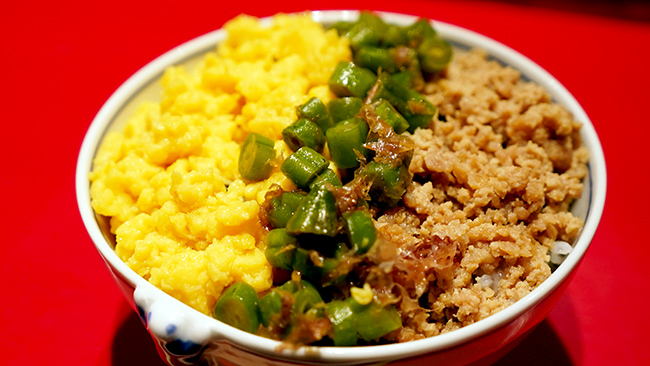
x: 434, y: 54
x: 345, y: 141
x: 341, y: 316
x: 389, y: 182
x: 394, y: 36
x: 316, y: 111
x: 350, y: 80
x: 344, y: 108
x: 368, y: 30
x: 303, y: 166
x: 305, y: 298
x: 361, y: 35
x: 329, y: 264
x: 404, y: 78
x: 340, y: 248
x: 360, y: 229
x: 270, y: 306
x: 290, y: 286
x: 375, y: 321
x: 315, y: 313
x: 419, y: 31
x: 304, y: 132
x: 415, y: 108
x: 372, y: 20
x: 317, y: 214
x: 281, y: 208
x: 341, y: 27
x: 387, y: 88
x: 328, y: 176
x: 407, y: 60
x: 280, y: 248
x: 255, y: 157
x: 420, y: 111
x: 390, y: 115
x: 238, y: 307
x: 375, y: 59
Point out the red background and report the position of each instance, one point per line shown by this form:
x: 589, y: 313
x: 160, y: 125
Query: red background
x: 61, y: 60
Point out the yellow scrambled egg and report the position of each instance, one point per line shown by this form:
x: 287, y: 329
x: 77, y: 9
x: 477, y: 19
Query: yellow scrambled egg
x: 183, y: 218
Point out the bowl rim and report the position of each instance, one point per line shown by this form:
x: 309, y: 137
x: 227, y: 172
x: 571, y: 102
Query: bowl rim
x: 151, y: 72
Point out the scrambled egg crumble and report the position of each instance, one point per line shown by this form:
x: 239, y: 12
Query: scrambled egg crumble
x: 183, y: 218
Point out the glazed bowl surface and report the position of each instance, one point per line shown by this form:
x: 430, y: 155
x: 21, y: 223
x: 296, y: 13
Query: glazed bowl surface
x: 185, y: 336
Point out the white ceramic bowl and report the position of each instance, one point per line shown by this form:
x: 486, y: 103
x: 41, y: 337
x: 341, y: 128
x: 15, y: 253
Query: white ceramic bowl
x: 184, y: 336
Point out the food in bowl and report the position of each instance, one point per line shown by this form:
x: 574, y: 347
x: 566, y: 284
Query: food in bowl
x: 434, y: 220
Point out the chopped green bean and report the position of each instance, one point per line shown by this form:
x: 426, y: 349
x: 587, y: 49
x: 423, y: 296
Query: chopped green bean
x: 351, y: 320
x: 341, y: 27
x: 415, y: 108
x: 375, y: 59
x: 303, y: 166
x: 304, y: 132
x: 360, y: 229
x: 406, y: 58
x: 407, y: 61
x: 394, y: 36
x: 387, y: 88
x: 419, y: 31
x: 280, y: 248
x: 368, y: 30
x: 346, y: 141
x: 389, y: 183
x: 434, y: 54
x: 344, y: 108
x: 390, y: 115
x: 360, y: 35
x: 420, y: 111
x: 328, y: 176
x: 238, y: 307
x: 255, y: 157
x: 305, y: 298
x: 372, y: 20
x: 316, y: 111
x: 280, y: 209
x: 317, y: 214
x: 375, y: 321
x: 290, y: 286
x: 404, y: 78
x: 349, y: 79
x: 329, y: 264
x: 341, y: 316
x: 270, y: 306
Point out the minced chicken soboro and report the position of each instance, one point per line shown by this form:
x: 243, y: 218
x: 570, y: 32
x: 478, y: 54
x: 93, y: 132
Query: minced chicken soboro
x: 491, y: 192
x: 493, y: 180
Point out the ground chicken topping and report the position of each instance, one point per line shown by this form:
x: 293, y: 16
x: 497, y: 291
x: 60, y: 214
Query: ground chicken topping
x: 493, y: 180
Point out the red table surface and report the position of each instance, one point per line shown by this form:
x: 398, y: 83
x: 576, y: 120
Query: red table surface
x: 61, y: 60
